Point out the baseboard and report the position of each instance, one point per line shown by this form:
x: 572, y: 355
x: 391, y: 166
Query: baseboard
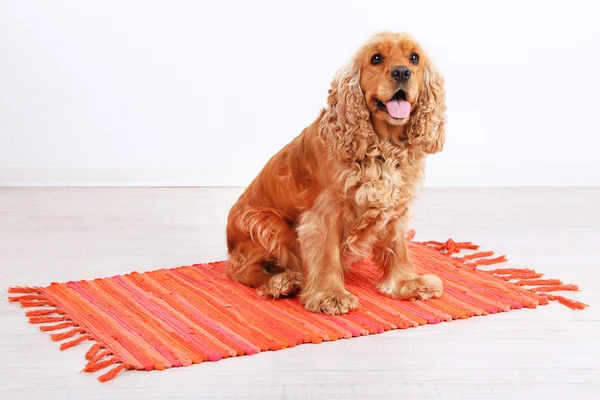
x: 455, y: 175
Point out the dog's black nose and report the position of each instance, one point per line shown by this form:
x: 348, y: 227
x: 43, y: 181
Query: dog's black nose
x: 401, y: 73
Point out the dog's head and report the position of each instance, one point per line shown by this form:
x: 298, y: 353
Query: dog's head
x: 391, y: 85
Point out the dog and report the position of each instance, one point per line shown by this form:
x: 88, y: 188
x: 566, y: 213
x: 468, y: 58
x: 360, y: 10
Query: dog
x: 340, y: 191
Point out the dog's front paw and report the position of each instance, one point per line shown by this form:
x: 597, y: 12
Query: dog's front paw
x: 331, y: 303
x: 284, y: 284
x: 421, y: 288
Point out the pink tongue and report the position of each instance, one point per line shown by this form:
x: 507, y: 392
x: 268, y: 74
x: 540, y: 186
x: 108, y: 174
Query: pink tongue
x: 398, y: 108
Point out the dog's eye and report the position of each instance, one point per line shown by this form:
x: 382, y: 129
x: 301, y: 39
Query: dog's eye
x: 414, y: 58
x: 376, y: 59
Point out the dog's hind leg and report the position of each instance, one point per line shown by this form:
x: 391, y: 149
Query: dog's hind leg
x: 267, y: 255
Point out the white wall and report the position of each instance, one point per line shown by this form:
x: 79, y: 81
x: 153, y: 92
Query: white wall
x: 204, y: 92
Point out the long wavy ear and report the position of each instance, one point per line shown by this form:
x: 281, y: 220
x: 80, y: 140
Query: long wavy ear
x: 346, y: 125
x: 426, y: 126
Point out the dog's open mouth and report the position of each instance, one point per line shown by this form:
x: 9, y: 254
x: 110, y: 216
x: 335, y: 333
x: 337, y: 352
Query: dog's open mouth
x: 397, y: 107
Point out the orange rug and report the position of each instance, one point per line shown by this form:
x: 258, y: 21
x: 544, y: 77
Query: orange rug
x: 187, y: 315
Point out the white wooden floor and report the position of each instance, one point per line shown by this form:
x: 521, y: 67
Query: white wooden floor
x: 67, y: 234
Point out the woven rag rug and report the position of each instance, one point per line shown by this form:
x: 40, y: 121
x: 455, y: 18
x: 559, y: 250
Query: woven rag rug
x: 187, y: 315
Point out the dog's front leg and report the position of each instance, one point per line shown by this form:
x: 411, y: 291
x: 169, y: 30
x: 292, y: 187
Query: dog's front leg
x: 319, y: 237
x: 400, y: 280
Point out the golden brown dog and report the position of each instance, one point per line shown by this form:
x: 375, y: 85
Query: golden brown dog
x: 341, y: 190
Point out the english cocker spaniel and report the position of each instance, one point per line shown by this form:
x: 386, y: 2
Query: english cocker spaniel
x: 340, y: 191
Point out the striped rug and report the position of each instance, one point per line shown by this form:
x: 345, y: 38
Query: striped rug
x: 188, y: 315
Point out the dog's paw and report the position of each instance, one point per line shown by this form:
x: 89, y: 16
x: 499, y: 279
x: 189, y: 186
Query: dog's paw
x: 331, y: 303
x: 285, y: 284
x: 421, y: 288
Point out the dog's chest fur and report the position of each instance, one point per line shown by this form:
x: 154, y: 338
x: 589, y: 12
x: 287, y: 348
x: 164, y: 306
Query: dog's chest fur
x: 380, y: 189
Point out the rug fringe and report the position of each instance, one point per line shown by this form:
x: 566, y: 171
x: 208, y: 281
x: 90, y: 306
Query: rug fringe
x: 450, y: 246
x: 34, y: 297
x: 33, y: 303
x: 99, y: 356
x: 26, y: 297
x: 36, y: 313
x: 488, y: 261
x: 74, y: 342
x: 45, y: 318
x: 46, y: 328
x: 507, y: 271
x: 97, y: 366
x: 545, y: 282
x: 91, y: 353
x: 24, y: 289
x: 572, y: 304
x: 523, y: 275
x: 527, y: 277
x: 476, y: 255
x: 556, y: 288
x: 57, y: 337
x: 113, y: 372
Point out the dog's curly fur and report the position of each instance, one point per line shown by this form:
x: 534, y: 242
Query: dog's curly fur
x: 341, y: 190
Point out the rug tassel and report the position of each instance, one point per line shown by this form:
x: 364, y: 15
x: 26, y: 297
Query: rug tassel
x: 112, y: 373
x: 100, y: 365
x: 467, y: 245
x: 556, y: 288
x: 433, y: 243
x: 23, y: 289
x: 33, y: 303
x: 99, y: 356
x: 93, y: 351
x: 516, y: 273
x: 13, y: 299
x: 450, y: 246
x: 545, y: 282
x: 476, y: 255
x: 572, y: 304
x: 46, y: 328
x: 37, y: 313
x: 43, y: 319
x: 523, y: 275
x: 507, y: 271
x: 57, y: 337
x: 488, y: 261
x: 74, y: 342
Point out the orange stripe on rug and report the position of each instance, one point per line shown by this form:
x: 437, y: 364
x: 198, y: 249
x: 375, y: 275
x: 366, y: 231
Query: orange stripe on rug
x: 187, y: 315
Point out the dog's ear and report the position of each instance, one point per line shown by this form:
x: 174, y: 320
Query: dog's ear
x: 426, y: 127
x: 346, y: 125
